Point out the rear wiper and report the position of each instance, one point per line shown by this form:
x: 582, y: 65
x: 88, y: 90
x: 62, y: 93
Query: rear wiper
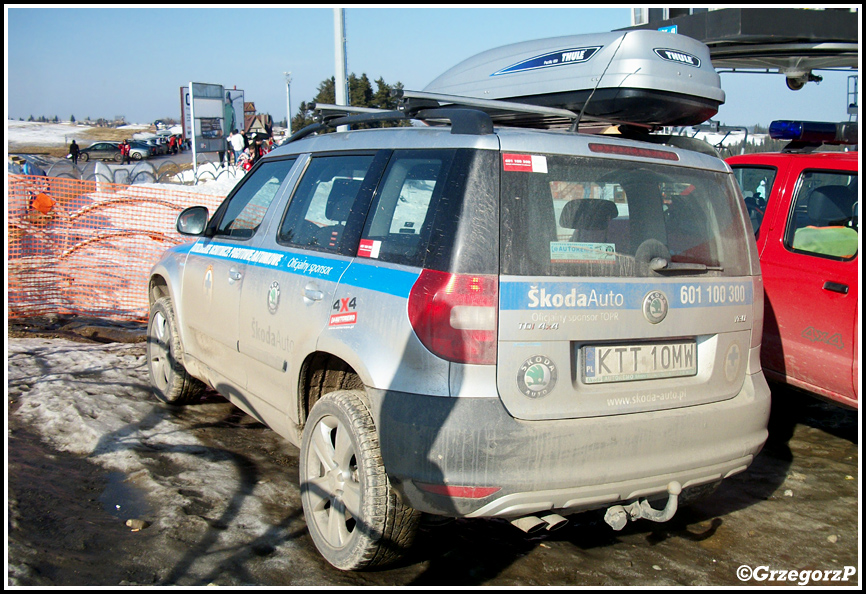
x: 662, y: 266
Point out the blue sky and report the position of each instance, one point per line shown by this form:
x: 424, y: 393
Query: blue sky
x: 102, y: 62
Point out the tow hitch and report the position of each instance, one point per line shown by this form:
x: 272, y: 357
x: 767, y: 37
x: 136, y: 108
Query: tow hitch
x: 618, y: 515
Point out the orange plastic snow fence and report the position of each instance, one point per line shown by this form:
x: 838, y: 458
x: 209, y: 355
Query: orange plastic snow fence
x: 86, y: 247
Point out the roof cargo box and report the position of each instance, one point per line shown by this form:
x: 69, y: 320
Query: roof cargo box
x: 643, y: 77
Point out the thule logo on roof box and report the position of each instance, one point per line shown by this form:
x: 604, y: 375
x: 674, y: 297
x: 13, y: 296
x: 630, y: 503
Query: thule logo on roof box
x: 576, y: 55
x: 679, y: 57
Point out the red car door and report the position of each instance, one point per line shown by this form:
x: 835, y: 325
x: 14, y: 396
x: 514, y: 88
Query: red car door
x: 811, y: 295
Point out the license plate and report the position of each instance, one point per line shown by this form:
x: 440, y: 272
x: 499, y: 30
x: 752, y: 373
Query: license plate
x: 630, y: 362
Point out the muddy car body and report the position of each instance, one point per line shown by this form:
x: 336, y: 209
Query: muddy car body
x: 474, y: 321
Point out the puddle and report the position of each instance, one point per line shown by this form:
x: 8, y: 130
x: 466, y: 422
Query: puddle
x: 122, y: 499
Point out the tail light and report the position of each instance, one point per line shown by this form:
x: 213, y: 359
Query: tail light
x: 454, y: 315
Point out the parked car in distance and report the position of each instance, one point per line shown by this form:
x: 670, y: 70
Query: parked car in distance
x: 103, y: 150
x: 139, y: 150
x: 156, y: 147
x: 804, y: 208
x: 110, y: 151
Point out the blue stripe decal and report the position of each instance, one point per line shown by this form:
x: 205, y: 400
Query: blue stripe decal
x: 575, y: 55
x: 586, y: 296
x: 365, y: 276
x: 312, y: 266
x: 381, y: 279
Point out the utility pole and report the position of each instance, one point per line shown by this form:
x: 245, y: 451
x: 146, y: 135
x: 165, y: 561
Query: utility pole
x: 340, y: 93
x: 288, y: 76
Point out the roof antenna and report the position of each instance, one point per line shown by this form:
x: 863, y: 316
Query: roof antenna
x: 576, y: 123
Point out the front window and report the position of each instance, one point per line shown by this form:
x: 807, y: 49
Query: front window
x: 246, y: 210
x: 824, y: 215
x: 577, y: 216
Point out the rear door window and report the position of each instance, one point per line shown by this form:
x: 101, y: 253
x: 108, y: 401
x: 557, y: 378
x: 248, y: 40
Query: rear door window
x: 605, y: 217
x: 399, y: 224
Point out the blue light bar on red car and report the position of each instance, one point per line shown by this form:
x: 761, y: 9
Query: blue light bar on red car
x: 814, y: 132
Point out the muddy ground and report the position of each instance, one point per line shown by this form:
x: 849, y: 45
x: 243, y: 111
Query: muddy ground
x: 795, y: 509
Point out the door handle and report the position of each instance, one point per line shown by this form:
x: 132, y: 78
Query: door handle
x: 234, y: 275
x: 836, y: 287
x: 313, y: 293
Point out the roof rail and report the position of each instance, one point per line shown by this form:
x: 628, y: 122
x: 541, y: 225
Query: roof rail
x: 463, y: 121
x: 413, y: 101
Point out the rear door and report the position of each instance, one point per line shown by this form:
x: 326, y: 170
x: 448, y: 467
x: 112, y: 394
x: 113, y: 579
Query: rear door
x: 626, y: 285
x: 286, y: 304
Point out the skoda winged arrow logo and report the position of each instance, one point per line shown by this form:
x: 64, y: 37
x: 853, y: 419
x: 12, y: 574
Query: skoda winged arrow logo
x: 655, y: 306
x: 273, y: 297
x: 537, y: 376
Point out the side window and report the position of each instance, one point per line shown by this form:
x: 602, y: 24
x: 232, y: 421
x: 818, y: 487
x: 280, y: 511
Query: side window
x: 823, y: 219
x: 320, y: 207
x: 246, y: 210
x: 756, y: 184
x: 401, y: 214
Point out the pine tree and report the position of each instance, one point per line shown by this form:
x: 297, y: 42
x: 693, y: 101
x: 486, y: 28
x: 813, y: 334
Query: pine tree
x: 361, y: 94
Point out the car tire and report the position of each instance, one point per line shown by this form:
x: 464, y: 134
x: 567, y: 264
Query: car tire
x: 117, y: 158
x: 83, y: 157
x: 340, y: 457
x: 168, y: 378
x: 136, y: 156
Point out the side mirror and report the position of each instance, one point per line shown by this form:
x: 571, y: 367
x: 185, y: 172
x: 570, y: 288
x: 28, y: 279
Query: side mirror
x: 192, y: 220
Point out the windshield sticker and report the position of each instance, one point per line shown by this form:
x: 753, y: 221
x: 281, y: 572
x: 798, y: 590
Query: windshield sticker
x: 573, y: 252
x: 369, y: 248
x: 576, y: 55
x: 528, y: 163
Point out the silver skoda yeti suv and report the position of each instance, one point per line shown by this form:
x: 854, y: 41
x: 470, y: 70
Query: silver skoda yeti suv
x: 474, y: 321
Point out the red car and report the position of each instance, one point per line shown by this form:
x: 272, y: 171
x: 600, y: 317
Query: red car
x: 804, y: 209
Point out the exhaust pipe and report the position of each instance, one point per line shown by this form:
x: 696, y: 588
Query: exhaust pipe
x: 618, y: 515
x: 533, y: 524
x: 554, y: 522
x: 530, y: 524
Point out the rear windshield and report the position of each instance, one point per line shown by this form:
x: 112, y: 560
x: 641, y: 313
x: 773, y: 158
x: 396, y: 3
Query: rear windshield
x: 577, y: 216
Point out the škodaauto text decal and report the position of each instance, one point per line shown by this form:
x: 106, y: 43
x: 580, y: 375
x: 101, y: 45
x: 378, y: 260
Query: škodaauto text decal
x: 620, y: 295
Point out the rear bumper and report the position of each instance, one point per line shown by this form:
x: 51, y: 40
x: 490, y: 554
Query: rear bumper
x: 571, y: 464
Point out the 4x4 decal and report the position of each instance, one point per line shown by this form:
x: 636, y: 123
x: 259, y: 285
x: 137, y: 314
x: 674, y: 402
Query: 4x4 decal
x: 814, y: 335
x: 346, y: 313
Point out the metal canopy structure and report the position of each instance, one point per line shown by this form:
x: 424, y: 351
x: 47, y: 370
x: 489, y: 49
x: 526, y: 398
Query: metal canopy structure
x: 791, y: 41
